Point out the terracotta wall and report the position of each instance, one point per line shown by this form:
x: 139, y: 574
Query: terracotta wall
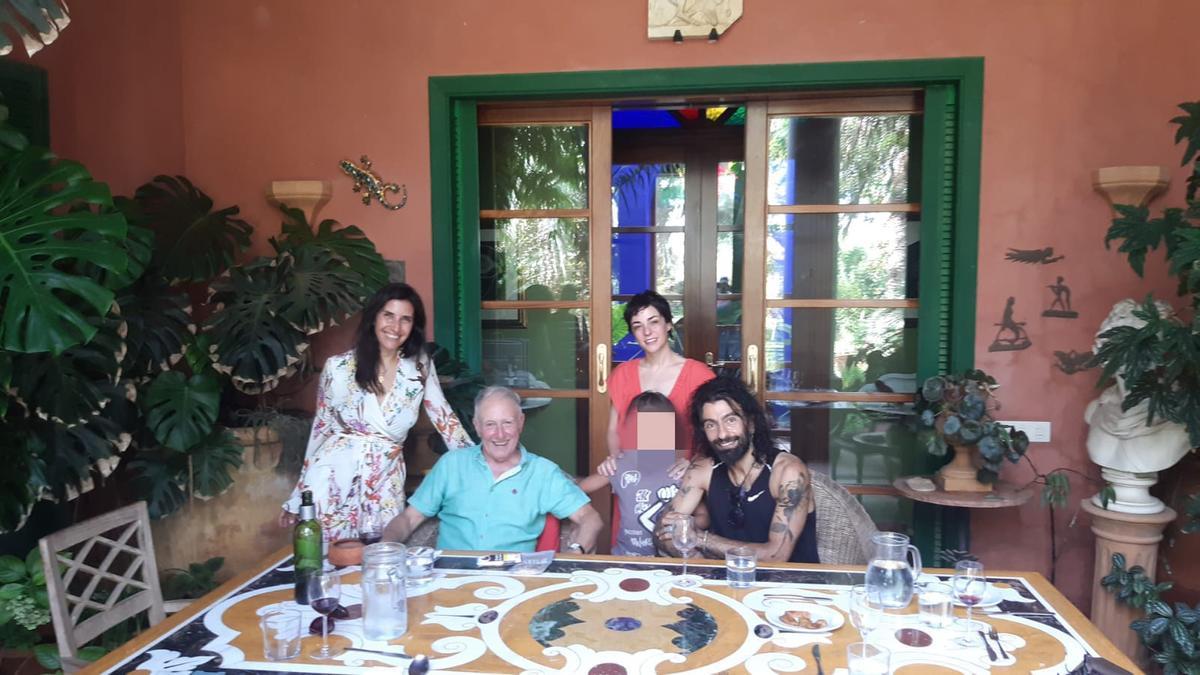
x: 236, y: 93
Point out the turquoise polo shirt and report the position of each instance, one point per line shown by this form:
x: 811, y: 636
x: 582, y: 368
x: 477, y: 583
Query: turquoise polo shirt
x: 483, y: 513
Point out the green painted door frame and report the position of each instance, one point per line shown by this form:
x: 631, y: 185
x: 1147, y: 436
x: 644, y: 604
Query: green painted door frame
x: 949, y: 183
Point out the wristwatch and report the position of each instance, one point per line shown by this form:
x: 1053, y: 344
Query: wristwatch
x: 575, y: 547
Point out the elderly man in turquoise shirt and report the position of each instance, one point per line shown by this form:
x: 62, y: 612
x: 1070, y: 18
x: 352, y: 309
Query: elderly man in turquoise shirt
x: 495, y: 496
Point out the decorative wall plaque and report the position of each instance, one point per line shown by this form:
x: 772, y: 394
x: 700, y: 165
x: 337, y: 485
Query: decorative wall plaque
x: 1033, y: 256
x: 1060, y: 306
x: 1011, y: 336
x: 1073, y: 362
x: 692, y: 18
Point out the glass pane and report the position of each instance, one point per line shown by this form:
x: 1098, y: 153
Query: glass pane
x: 639, y: 256
x: 533, y: 167
x: 557, y: 429
x: 838, y: 160
x: 644, y: 195
x: 730, y: 246
x: 625, y: 348
x: 843, y: 256
x: 668, y: 263
x: 536, y: 348
x: 731, y: 186
x: 533, y: 259
x: 860, y: 443
x: 844, y: 349
x: 729, y: 330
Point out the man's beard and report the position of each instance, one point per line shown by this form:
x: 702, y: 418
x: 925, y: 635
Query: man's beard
x: 732, y: 455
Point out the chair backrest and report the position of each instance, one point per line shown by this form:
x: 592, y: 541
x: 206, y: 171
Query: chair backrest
x: 99, y: 573
x: 843, y: 527
x: 548, y: 540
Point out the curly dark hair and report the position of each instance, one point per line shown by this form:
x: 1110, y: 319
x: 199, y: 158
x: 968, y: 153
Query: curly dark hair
x: 366, y: 350
x: 734, y: 392
x: 648, y: 299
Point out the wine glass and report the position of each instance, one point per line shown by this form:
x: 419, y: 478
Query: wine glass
x: 864, y: 614
x: 324, y: 591
x: 969, y: 586
x: 370, y: 527
x: 686, y: 538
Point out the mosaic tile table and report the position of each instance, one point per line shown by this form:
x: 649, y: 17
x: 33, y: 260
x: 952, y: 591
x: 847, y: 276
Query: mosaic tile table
x: 605, y: 615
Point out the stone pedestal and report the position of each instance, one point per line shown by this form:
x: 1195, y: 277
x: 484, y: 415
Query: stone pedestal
x: 307, y: 195
x: 1136, y: 535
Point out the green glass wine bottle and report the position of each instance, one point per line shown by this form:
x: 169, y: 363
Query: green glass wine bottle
x: 306, y: 539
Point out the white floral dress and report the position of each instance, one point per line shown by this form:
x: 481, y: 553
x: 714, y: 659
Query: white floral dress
x: 354, y: 463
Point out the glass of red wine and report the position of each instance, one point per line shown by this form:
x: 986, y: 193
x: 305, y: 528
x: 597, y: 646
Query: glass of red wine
x: 370, y: 527
x: 969, y: 586
x: 324, y: 591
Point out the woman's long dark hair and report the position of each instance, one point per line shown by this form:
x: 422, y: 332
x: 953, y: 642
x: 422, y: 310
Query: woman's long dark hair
x: 732, y: 391
x: 366, y: 350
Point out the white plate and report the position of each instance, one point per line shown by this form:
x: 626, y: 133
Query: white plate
x: 833, y: 618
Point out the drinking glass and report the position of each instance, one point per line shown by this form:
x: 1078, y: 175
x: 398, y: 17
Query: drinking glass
x: 865, y: 658
x: 741, y: 564
x: 933, y: 604
x: 324, y: 591
x: 370, y: 527
x: 969, y: 585
x: 864, y: 614
x: 281, y: 634
x: 686, y: 538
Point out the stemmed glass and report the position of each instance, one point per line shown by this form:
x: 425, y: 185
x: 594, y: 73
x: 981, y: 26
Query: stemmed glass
x: 370, y: 527
x: 324, y: 591
x: 864, y: 614
x: 969, y: 586
x: 686, y: 538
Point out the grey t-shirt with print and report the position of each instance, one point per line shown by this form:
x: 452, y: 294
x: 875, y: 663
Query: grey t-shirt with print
x: 643, y: 490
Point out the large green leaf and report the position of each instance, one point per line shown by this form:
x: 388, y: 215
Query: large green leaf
x: 194, y: 243
x: 74, y: 386
x: 251, y: 342
x: 72, y: 457
x: 159, y: 477
x: 213, y: 459
x: 159, y: 324
x: 17, y: 493
x: 320, y: 289
x: 181, y: 411
x: 36, y: 22
x: 348, y: 243
x: 46, y: 309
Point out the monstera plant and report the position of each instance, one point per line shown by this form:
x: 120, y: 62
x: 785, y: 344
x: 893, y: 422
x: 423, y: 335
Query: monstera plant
x: 63, y: 257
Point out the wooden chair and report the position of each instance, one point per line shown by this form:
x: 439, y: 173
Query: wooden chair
x: 844, y: 528
x: 111, y: 555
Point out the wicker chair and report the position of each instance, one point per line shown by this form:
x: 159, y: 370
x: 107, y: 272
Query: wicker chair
x: 843, y: 527
x: 89, y: 568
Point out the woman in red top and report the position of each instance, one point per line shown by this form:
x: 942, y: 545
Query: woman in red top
x: 649, y: 319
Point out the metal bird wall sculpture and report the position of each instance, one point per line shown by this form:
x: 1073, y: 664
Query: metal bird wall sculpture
x: 1033, y: 256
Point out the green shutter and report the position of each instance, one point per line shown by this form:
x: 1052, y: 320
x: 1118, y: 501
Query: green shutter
x: 24, y: 89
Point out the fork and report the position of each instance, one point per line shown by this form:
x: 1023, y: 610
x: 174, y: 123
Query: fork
x: 996, y: 637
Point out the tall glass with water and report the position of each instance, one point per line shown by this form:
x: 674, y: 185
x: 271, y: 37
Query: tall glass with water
x: 890, y: 574
x: 385, y: 601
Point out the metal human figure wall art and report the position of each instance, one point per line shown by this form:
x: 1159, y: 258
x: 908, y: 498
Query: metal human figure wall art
x: 1060, y: 307
x: 1072, y: 362
x: 371, y: 185
x: 1017, y: 338
x: 1033, y: 256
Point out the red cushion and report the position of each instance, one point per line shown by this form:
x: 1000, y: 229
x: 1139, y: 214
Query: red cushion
x: 548, y: 541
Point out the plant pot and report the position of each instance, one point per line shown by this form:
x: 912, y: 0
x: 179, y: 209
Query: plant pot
x: 239, y: 524
x: 959, y: 474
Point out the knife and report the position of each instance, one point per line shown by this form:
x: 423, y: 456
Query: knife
x: 991, y: 652
x: 400, y: 655
x: 817, y: 657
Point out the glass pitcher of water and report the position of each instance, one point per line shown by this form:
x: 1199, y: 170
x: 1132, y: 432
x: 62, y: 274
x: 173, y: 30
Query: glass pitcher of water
x: 385, y: 601
x: 889, y: 575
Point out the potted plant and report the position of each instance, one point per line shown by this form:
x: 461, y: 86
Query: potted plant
x: 956, y: 411
x: 1148, y: 417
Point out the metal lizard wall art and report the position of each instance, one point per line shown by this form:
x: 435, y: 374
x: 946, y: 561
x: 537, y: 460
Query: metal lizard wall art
x: 369, y: 182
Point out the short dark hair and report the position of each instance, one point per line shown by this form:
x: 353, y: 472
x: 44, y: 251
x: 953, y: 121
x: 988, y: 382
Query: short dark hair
x: 647, y: 299
x: 650, y: 401
x: 733, y: 391
x: 366, y: 351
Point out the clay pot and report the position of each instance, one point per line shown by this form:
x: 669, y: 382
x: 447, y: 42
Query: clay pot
x: 345, y: 552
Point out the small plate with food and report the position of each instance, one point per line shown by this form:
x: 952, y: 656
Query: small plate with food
x: 805, y: 618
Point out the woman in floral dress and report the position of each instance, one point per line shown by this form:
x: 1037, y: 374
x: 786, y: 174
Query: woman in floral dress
x: 368, y: 400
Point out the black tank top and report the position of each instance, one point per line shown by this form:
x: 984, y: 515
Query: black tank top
x: 758, y: 506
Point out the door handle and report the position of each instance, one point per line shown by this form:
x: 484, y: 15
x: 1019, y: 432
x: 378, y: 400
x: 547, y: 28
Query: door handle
x: 752, y: 368
x: 602, y: 368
